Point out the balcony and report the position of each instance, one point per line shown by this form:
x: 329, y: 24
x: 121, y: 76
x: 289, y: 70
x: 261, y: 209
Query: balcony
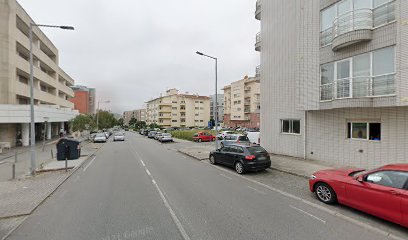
x: 247, y: 103
x: 258, y: 42
x: 359, y: 87
x: 357, y: 26
x: 165, y: 117
x: 165, y: 104
x: 247, y: 88
x: 258, y: 71
x: 258, y: 10
x: 351, y: 28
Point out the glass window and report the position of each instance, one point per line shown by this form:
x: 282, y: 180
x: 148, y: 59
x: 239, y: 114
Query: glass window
x: 383, y: 61
x: 344, y: 7
x: 328, y: 15
x: 394, y: 179
x: 375, y: 131
x: 361, y: 65
x: 359, y: 130
x: 296, y: 126
x: 285, y: 126
x: 378, y: 2
x: 327, y: 73
x: 343, y: 69
x: 360, y: 4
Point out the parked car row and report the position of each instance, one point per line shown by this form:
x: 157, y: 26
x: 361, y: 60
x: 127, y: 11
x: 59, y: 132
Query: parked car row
x: 157, y: 135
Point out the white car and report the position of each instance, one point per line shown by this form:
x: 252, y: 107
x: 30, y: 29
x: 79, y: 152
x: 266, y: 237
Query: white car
x: 166, y: 137
x: 118, y: 136
x: 222, y: 134
x: 100, y: 137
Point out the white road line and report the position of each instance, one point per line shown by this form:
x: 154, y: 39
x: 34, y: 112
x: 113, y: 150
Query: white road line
x: 172, y: 213
x: 308, y: 214
x: 89, y: 164
x: 148, y: 172
x: 230, y: 178
x: 143, y: 164
x: 327, y: 210
x: 258, y: 191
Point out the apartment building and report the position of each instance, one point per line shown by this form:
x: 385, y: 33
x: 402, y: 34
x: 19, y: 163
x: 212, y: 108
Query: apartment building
x: 334, y: 82
x: 179, y: 110
x: 139, y: 115
x: 84, y: 99
x: 51, y: 84
x: 214, y: 111
x: 242, y: 103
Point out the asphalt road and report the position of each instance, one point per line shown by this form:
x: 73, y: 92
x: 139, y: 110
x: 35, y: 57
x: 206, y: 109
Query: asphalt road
x: 140, y: 189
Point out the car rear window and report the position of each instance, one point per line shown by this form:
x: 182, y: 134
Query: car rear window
x: 243, y: 139
x: 256, y: 150
x: 195, y: 134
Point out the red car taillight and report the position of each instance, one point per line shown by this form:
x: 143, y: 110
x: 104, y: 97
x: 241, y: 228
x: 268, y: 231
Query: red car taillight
x: 250, y: 158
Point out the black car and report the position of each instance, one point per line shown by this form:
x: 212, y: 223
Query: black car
x: 243, y: 158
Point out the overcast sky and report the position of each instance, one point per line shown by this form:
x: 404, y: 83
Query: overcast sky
x: 131, y: 51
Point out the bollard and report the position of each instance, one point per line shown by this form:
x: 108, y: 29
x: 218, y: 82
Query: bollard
x: 52, y: 154
x: 66, y: 164
x: 14, y: 165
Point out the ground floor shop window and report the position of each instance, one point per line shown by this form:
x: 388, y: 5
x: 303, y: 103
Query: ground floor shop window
x: 364, y: 131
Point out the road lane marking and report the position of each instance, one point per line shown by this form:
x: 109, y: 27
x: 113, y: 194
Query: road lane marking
x: 143, y: 164
x: 230, y: 178
x: 172, y: 213
x: 308, y: 214
x: 258, y: 191
x: 89, y: 164
x: 322, y: 208
x: 148, y: 172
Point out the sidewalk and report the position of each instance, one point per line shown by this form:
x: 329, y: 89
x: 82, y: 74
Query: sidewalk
x: 291, y: 165
x: 21, y: 197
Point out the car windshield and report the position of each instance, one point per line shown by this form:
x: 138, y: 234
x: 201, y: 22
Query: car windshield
x: 256, y: 150
x: 166, y: 135
x: 100, y: 135
x: 119, y: 134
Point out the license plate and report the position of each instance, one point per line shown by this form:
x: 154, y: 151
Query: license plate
x: 261, y: 158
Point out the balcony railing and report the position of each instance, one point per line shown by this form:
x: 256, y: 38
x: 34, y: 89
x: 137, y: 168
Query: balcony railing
x: 258, y: 42
x: 358, y: 87
x: 355, y: 20
x: 258, y: 71
x: 258, y: 10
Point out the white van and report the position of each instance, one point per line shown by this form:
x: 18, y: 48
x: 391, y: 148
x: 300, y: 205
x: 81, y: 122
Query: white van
x: 254, y: 137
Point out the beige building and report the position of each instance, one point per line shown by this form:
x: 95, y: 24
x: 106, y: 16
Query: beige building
x: 139, y: 115
x: 242, y: 103
x: 51, y: 83
x: 179, y: 110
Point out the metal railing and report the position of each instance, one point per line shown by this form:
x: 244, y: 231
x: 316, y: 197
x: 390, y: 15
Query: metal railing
x: 258, y: 38
x: 258, y: 71
x: 383, y: 85
x: 354, y: 20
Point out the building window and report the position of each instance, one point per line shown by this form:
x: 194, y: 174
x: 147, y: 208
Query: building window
x: 196, y: 101
x: 201, y: 102
x: 290, y: 126
x: 365, y: 75
x: 364, y: 131
x: 183, y: 120
x: 174, y: 108
x: 174, y: 121
x: 197, y: 114
x: 197, y: 108
x: 201, y: 120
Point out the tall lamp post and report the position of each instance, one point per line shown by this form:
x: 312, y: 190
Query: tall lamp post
x: 32, y: 122
x: 216, y: 95
x: 97, y: 113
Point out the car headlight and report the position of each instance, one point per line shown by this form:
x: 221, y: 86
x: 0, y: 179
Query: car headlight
x: 313, y: 177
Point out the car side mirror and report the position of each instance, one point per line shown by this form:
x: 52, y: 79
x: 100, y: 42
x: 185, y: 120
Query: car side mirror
x: 218, y: 150
x: 359, y: 178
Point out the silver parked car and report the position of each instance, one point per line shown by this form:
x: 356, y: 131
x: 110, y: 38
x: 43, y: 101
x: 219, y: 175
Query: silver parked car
x: 151, y: 134
x: 100, y: 137
x: 234, y: 139
x: 158, y: 134
x: 118, y: 136
x: 166, y: 137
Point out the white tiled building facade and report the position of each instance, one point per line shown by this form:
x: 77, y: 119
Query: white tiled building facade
x: 334, y: 82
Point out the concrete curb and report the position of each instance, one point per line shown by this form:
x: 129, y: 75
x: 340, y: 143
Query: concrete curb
x: 52, y: 192
x: 289, y: 172
x: 191, y: 155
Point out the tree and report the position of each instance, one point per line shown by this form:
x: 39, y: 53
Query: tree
x: 82, y: 122
x: 132, y: 121
x: 120, y: 122
x: 154, y: 125
x: 140, y: 125
x: 106, y: 120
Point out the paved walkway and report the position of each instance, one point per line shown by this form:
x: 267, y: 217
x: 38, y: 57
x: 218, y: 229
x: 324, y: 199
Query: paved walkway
x: 291, y: 165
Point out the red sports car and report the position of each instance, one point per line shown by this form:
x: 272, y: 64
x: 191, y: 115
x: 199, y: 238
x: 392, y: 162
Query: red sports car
x: 382, y: 192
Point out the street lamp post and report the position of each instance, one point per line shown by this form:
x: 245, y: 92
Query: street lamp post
x: 32, y: 122
x: 97, y: 114
x: 216, y: 95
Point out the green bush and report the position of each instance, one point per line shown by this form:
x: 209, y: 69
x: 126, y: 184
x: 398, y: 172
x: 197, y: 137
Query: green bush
x: 188, y: 135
